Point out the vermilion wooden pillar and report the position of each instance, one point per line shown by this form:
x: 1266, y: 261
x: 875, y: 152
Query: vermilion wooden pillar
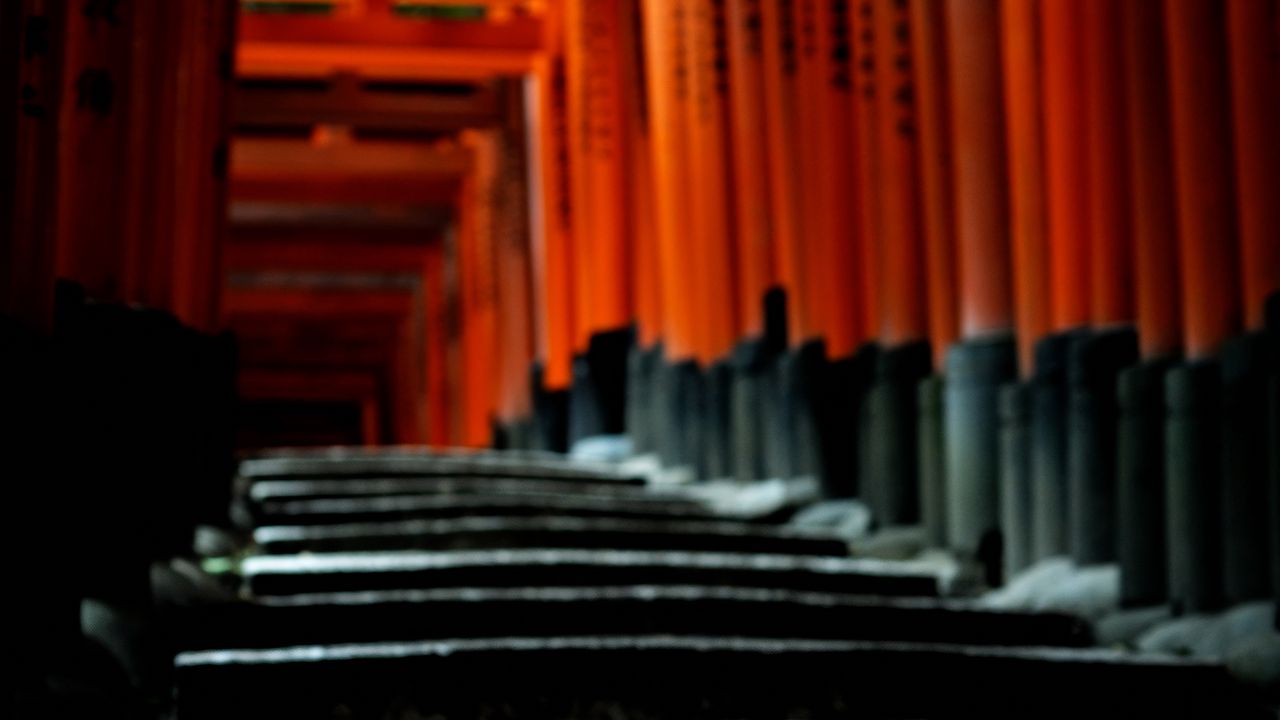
x: 903, y: 312
x: 866, y: 162
x: 1066, y: 162
x: 981, y: 182
x: 929, y: 48
x: 576, y: 137
x: 813, y: 252
x: 1253, y: 28
x: 781, y: 68
x: 555, y: 287
x: 1197, y: 486
x: 1020, y: 37
x: 477, y: 289
x: 598, y: 131
x: 1200, y: 101
x: 1150, y: 159
x: 667, y: 78
x: 1109, y: 230
x: 839, y: 271
x: 646, y: 282
x: 988, y: 489
x: 752, y: 222
x: 710, y: 240
x: 439, y: 390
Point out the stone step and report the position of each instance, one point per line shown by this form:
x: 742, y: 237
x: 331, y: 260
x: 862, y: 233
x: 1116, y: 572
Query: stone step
x: 388, y: 615
x: 347, y: 510
x: 314, y: 573
x: 661, y: 676
x: 416, y: 464
x: 471, y: 532
x: 277, y: 490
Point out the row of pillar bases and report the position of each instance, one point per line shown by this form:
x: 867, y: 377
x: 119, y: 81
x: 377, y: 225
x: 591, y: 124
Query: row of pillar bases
x: 1168, y: 468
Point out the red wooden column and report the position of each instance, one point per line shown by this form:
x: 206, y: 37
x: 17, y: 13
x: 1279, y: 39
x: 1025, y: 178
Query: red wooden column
x: 581, y: 211
x: 710, y: 241
x: 866, y: 163
x: 780, y: 87
x: 1253, y: 28
x: 1028, y: 224
x: 1150, y: 157
x: 1066, y: 161
x: 982, y: 214
x: 838, y: 271
x: 554, y: 286
x: 904, y: 306
x: 1110, y: 233
x: 929, y: 48
x: 1200, y: 99
x: 816, y: 224
x: 667, y: 79
x: 477, y: 289
x: 439, y: 390
x: 646, y: 282
x: 751, y: 199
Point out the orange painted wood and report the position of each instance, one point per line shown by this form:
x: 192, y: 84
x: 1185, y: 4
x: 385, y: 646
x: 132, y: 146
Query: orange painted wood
x: 477, y: 295
x: 711, y: 239
x: 554, y: 286
x: 1207, y: 236
x: 439, y: 391
x: 866, y: 162
x: 1150, y: 155
x: 838, y: 272
x: 750, y: 162
x: 902, y: 254
x: 1028, y: 223
x: 981, y: 169
x: 667, y: 79
x: 1254, y: 46
x: 581, y: 211
x: 811, y: 254
x: 781, y: 66
x: 646, y: 282
x: 1110, y: 231
x: 597, y: 131
x: 929, y: 48
x: 1066, y: 161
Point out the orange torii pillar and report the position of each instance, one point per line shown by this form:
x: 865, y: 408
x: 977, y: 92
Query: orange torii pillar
x: 986, y: 357
x: 712, y: 242
x: 513, y: 414
x: 1140, y: 448
x: 551, y: 233
x: 1253, y: 46
x: 836, y: 274
x: 790, y: 444
x: 646, y: 358
x: 754, y: 234
x: 929, y: 43
x: 889, y: 468
x: 602, y: 223
x: 866, y: 163
x: 1112, y: 343
x: 1200, y: 99
x: 1059, y: 26
x: 1026, y: 493
x: 667, y: 80
x: 477, y: 294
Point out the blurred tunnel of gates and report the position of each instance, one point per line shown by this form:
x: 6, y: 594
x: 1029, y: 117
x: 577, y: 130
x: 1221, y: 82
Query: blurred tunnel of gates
x: 924, y: 250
